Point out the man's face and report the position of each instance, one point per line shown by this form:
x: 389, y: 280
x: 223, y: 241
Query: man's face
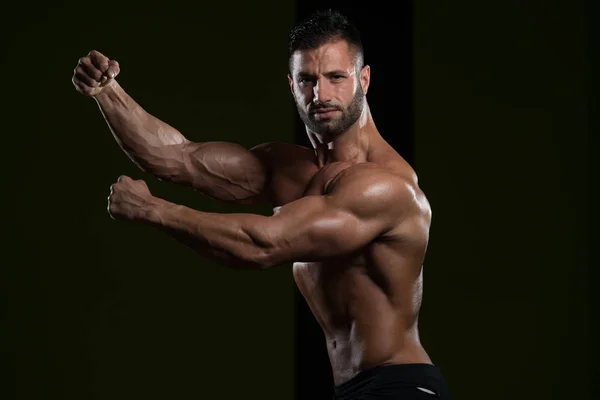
x: 327, y: 87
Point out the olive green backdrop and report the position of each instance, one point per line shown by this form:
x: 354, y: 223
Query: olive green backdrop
x: 108, y: 310
x: 501, y: 150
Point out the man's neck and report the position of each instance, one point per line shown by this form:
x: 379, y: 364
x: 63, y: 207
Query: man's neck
x: 351, y: 146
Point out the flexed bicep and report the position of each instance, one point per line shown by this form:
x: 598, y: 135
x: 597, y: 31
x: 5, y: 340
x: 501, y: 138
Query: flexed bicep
x: 359, y: 209
x: 225, y: 171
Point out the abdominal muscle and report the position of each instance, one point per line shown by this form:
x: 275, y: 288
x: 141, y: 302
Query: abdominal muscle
x: 362, y: 326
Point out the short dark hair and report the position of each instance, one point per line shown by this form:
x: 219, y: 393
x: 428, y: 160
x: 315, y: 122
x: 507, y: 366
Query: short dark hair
x: 322, y: 27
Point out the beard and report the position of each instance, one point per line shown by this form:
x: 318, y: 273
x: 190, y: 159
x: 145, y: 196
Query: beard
x: 334, y: 126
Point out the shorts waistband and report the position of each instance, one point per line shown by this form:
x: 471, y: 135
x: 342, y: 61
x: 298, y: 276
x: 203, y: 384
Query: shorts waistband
x: 417, y: 374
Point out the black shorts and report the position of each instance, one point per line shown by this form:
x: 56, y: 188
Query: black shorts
x: 396, y: 381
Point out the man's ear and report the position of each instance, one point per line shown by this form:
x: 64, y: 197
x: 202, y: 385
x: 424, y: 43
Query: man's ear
x: 365, y: 78
x: 291, y: 82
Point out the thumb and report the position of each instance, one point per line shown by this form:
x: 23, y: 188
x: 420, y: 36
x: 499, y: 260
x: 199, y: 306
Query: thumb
x: 113, y: 69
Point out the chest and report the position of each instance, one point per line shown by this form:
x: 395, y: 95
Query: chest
x: 316, y: 274
x: 321, y: 181
x: 306, y: 179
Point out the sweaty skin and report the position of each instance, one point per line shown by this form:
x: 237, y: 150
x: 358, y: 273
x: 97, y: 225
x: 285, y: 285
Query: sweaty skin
x: 348, y: 214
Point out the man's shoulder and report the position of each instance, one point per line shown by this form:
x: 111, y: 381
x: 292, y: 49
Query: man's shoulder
x: 370, y: 175
x: 374, y: 187
x: 289, y: 168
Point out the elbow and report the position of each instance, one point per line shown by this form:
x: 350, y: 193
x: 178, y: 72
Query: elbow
x: 265, y: 258
x: 262, y: 251
x: 254, y: 259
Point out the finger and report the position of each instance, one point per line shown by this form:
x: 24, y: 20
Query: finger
x: 99, y: 60
x: 110, y: 212
x: 81, y: 87
x: 123, y: 178
x: 89, y: 68
x: 84, y: 78
x: 113, y: 69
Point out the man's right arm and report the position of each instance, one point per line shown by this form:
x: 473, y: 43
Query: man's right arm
x: 221, y: 170
x: 224, y: 171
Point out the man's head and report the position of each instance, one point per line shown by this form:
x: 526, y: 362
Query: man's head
x: 327, y: 75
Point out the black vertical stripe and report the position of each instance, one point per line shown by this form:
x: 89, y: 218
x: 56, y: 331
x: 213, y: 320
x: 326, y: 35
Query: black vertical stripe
x: 592, y: 11
x: 386, y: 31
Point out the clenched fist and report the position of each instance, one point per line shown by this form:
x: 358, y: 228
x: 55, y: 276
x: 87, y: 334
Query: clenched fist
x: 94, y: 73
x: 131, y: 200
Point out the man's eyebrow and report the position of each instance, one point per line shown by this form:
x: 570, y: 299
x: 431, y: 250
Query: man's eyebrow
x: 305, y: 74
x: 336, y: 72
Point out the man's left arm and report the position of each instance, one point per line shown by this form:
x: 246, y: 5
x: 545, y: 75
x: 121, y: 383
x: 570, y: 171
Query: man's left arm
x: 361, y: 206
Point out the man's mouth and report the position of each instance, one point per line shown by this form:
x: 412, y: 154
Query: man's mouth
x: 324, y: 112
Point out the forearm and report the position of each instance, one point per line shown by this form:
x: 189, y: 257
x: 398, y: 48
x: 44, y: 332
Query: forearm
x: 221, y: 170
x: 150, y: 143
x: 222, y: 238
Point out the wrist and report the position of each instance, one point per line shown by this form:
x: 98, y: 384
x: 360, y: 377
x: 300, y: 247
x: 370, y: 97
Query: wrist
x: 110, y: 94
x: 157, y: 210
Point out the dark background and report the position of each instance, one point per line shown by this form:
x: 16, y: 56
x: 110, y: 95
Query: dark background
x: 491, y: 102
x: 502, y: 150
x: 108, y: 310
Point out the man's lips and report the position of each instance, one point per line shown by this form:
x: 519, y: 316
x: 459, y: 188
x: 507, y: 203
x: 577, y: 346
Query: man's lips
x: 324, y: 113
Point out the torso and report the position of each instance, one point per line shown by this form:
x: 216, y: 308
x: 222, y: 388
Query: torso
x: 366, y: 303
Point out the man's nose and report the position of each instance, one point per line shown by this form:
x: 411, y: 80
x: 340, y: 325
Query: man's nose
x: 322, y: 92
